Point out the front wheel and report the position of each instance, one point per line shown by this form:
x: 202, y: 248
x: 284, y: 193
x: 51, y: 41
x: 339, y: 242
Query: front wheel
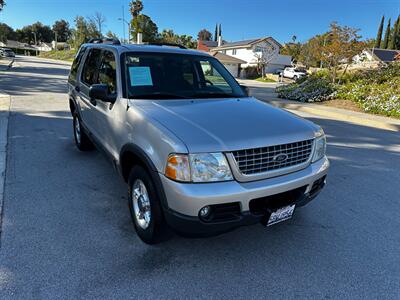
x: 145, y: 207
x: 295, y: 77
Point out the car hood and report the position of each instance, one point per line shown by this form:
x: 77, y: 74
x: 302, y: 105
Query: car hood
x: 221, y: 125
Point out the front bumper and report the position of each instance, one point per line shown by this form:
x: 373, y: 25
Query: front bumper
x: 186, y: 200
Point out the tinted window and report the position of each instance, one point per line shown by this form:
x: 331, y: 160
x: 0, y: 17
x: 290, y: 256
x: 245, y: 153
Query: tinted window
x: 107, y: 71
x: 75, y: 64
x: 178, y: 76
x: 89, y: 73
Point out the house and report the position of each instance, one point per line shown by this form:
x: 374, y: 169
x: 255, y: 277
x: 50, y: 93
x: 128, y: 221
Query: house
x: 206, y: 46
x: 376, y: 56
x: 232, y: 64
x: 255, y: 50
x: 44, y: 47
x: 18, y: 47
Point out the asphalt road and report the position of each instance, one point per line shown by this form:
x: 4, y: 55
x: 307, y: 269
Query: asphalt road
x: 66, y: 230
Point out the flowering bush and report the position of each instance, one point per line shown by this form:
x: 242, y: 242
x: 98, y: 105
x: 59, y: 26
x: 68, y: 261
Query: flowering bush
x: 381, y: 98
x: 313, y: 89
x: 376, y: 91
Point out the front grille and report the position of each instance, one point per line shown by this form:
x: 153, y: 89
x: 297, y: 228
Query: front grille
x: 260, y: 160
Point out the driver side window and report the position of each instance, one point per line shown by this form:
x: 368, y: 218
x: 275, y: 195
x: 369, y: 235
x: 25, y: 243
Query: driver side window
x: 108, y: 71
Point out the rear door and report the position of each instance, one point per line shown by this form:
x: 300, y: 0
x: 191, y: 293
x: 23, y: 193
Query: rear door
x: 89, y: 77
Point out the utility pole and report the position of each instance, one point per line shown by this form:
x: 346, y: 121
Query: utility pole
x: 129, y: 28
x: 34, y: 34
x: 123, y: 23
x: 55, y: 44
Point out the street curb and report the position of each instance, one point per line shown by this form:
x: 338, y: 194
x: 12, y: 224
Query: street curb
x: 5, y: 103
x: 340, y: 114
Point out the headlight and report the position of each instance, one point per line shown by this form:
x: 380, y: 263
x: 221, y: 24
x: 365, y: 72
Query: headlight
x: 209, y: 167
x: 203, y: 167
x: 320, y: 146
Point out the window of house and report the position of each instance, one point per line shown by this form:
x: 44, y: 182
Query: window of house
x: 234, y: 51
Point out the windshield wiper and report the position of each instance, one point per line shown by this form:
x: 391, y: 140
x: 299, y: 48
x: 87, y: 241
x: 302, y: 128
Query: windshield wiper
x: 159, y: 96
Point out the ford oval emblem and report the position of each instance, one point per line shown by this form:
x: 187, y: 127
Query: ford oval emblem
x: 280, y: 157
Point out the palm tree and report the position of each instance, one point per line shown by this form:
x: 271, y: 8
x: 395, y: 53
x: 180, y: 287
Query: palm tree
x: 2, y: 3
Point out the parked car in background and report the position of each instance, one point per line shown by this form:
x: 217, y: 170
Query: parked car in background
x: 5, y: 52
x: 293, y: 73
x: 168, y: 119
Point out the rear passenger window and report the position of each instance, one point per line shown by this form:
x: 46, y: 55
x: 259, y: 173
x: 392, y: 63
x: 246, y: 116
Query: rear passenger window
x: 108, y: 71
x: 89, y: 73
x: 76, y: 64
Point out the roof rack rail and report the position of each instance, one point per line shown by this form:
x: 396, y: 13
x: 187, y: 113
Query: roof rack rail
x: 111, y: 41
x: 167, y: 44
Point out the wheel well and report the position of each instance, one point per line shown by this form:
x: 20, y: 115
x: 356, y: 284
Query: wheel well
x: 128, y: 160
x: 72, y: 106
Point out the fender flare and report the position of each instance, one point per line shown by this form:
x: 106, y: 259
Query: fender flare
x: 151, y: 168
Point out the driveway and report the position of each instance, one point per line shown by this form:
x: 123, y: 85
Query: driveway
x: 66, y: 230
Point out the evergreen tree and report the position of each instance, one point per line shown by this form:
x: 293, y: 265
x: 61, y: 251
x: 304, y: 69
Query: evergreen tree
x: 216, y: 32
x: 385, y: 42
x: 393, y: 36
x: 396, y: 35
x: 220, y: 31
x: 379, y: 35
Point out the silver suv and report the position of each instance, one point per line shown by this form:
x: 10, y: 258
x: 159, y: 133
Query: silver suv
x: 198, y: 154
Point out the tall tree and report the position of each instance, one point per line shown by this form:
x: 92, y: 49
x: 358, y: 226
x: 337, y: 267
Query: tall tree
x: 84, y: 31
x: 145, y: 25
x: 204, y: 35
x: 394, y: 42
x: 61, y: 28
x: 343, y: 44
x: 385, y: 41
x: 2, y: 3
x: 6, y: 33
x: 136, y: 7
x: 99, y: 19
x: 216, y: 33
x: 219, y: 31
x: 379, y: 35
x: 111, y: 35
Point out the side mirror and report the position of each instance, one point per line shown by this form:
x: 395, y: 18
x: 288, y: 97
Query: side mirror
x: 101, y: 92
x: 245, y: 90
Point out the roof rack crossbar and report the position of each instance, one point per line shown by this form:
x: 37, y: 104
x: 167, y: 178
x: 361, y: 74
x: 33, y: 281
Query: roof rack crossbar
x: 167, y: 44
x: 111, y: 41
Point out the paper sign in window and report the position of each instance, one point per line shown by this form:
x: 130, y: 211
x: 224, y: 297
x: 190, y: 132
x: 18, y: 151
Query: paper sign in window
x: 140, y: 76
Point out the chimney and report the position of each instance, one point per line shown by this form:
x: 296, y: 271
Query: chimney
x: 139, y: 39
x: 219, y: 41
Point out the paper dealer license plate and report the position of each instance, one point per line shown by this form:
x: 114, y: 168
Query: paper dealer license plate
x: 280, y: 215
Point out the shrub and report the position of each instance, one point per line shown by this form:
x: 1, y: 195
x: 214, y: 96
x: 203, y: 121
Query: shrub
x: 313, y: 89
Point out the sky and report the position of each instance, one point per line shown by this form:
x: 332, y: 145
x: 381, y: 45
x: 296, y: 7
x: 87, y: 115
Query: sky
x: 240, y: 20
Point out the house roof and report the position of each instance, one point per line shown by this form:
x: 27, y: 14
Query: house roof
x: 384, y: 55
x: 227, y: 58
x: 246, y: 43
x: 210, y: 44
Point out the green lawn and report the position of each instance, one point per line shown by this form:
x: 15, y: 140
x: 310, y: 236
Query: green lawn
x: 67, y: 55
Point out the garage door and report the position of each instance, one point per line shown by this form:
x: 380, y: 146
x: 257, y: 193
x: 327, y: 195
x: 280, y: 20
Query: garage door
x: 232, y: 68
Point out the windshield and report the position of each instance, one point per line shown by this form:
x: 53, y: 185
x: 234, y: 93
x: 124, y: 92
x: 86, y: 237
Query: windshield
x: 178, y: 76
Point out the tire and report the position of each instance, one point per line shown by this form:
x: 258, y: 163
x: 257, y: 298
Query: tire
x: 82, y: 140
x: 295, y: 77
x: 146, y: 210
